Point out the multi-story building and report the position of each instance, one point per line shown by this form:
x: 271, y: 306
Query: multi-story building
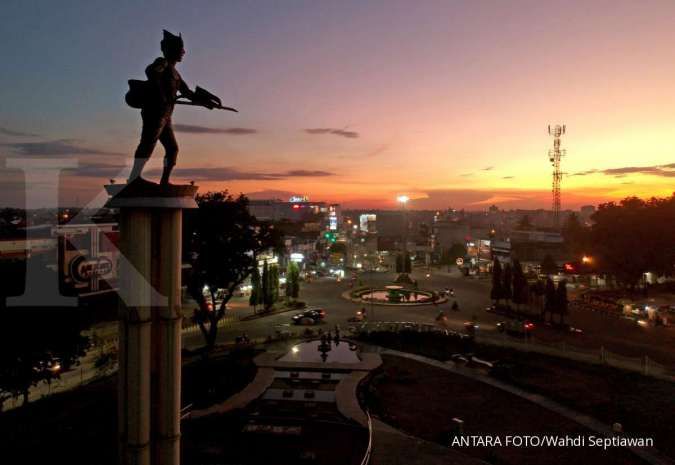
x: 297, y: 209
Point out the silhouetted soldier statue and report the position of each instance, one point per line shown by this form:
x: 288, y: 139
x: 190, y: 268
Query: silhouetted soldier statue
x: 156, y: 98
x: 164, y: 83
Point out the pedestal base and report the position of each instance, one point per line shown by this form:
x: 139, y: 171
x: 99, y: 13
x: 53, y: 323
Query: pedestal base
x: 148, y: 194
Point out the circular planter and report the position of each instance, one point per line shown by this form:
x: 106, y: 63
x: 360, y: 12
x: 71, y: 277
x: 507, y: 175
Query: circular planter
x: 393, y: 295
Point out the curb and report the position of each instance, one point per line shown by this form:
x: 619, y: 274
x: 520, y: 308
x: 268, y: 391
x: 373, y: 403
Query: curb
x: 347, y: 296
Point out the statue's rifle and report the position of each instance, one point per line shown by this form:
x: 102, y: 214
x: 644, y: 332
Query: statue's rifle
x: 204, y: 98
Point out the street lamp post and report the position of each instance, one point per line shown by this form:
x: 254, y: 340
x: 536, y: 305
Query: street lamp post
x: 403, y: 199
x: 372, y: 291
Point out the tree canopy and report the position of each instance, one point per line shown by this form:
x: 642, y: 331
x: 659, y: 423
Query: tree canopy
x: 634, y: 236
x: 548, y: 265
x: 36, y: 343
x: 225, y: 241
x: 496, y: 293
x: 292, y: 281
x: 576, y: 236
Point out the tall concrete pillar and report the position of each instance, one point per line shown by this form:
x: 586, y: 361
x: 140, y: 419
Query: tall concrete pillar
x: 149, y: 392
x: 167, y: 342
x: 135, y: 335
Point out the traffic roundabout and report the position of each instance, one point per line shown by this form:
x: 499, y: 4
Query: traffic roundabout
x: 393, y: 295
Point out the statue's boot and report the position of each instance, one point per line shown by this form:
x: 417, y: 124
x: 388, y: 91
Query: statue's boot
x: 166, y: 174
x: 136, y: 170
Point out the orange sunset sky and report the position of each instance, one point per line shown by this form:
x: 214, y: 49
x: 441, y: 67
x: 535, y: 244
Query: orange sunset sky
x: 356, y: 102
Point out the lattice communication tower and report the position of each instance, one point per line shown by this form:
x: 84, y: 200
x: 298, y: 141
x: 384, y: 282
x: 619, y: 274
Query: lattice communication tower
x: 554, y: 156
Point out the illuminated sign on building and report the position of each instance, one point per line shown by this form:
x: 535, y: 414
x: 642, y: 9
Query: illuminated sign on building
x: 88, y: 257
x: 484, y: 249
x: 82, y: 269
x: 332, y: 220
x: 298, y: 198
x: 367, y: 222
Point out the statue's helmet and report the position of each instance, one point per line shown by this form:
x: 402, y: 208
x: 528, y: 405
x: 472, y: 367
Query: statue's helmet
x: 171, y: 43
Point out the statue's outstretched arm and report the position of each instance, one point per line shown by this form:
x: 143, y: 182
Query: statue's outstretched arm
x: 185, y: 91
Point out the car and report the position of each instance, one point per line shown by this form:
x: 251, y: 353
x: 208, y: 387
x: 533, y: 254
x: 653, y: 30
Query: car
x: 309, y: 317
x: 470, y: 328
x: 517, y: 328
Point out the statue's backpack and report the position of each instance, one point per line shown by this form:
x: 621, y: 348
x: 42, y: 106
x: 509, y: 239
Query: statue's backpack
x: 137, y: 95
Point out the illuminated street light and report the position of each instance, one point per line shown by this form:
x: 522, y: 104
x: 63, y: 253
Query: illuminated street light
x: 586, y: 259
x: 403, y: 199
x: 55, y: 368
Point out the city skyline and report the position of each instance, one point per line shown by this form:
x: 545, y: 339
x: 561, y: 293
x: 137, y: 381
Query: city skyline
x: 355, y: 103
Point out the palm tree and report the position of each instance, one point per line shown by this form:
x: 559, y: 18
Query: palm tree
x: 507, y: 284
x: 550, y: 304
x: 519, y: 284
x: 561, y: 300
x: 496, y: 293
x: 256, y: 291
x: 538, y: 290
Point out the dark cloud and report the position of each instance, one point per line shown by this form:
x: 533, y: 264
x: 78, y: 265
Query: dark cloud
x: 61, y: 147
x: 466, y: 175
x: 233, y: 174
x: 97, y: 170
x: 508, y: 177
x: 336, y: 132
x: 663, y: 170
x: 13, y: 133
x: 308, y: 173
x: 478, y: 199
x: 584, y: 173
x: 206, y: 130
x: 376, y: 151
x: 269, y: 194
x: 488, y: 168
x: 369, y: 154
x: 631, y: 170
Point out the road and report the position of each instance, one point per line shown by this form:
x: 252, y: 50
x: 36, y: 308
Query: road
x: 327, y: 293
x: 619, y: 336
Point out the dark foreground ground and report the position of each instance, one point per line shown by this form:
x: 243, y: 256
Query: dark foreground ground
x: 80, y: 426
x: 421, y: 399
x: 643, y: 405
